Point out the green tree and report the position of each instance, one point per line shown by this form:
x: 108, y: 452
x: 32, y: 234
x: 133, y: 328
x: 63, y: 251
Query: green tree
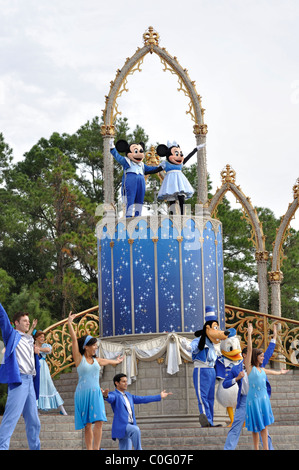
x: 29, y: 300
x: 48, y: 222
x: 6, y: 284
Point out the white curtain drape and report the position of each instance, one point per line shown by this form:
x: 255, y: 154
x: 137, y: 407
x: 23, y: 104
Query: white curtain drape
x: 177, y: 348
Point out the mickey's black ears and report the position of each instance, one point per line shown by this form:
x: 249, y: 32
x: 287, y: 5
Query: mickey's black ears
x: 122, y: 146
x: 162, y: 150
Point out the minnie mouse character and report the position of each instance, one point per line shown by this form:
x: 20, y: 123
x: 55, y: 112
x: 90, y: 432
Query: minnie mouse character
x: 175, y: 185
x: 133, y: 182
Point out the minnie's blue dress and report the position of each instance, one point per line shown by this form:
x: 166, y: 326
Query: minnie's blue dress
x: 175, y: 183
x: 89, y: 402
x: 258, y: 407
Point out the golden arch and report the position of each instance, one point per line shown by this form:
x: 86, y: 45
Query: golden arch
x: 119, y: 85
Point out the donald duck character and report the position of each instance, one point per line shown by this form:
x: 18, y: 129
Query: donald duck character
x: 204, y: 356
x: 231, y: 355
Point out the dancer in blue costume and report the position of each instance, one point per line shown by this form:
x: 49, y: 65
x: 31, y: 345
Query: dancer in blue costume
x: 237, y: 375
x: 124, y: 426
x: 175, y: 185
x: 20, y: 370
x: 258, y: 407
x: 49, y: 397
x: 89, y: 402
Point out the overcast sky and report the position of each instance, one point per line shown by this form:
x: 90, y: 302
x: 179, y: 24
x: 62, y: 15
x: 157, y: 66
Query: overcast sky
x: 58, y: 57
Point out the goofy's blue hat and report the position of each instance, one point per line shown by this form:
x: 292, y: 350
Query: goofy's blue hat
x: 210, y: 314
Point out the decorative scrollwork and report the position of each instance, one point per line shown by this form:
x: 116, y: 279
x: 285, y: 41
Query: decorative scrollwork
x: 124, y: 86
x: 287, y: 343
x: 182, y: 87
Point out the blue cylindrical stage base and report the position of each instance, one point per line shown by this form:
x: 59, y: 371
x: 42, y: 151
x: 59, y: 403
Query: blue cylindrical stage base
x: 157, y: 273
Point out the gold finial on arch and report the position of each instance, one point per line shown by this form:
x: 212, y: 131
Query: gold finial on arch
x: 151, y: 38
x: 228, y: 175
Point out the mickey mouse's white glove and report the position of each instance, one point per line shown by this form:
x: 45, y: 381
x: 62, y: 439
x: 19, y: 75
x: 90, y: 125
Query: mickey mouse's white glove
x: 111, y: 143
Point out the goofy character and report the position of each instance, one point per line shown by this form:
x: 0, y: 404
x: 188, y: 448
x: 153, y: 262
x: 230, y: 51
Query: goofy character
x: 204, y: 356
x: 133, y: 182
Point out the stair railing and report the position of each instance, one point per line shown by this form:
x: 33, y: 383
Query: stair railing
x: 58, y: 337
x: 287, y: 343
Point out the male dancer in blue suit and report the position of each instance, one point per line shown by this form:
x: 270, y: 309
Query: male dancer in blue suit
x: 237, y: 374
x: 124, y: 427
x: 20, y: 370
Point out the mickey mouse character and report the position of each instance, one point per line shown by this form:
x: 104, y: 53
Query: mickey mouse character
x: 133, y: 182
x: 175, y: 185
x: 204, y: 356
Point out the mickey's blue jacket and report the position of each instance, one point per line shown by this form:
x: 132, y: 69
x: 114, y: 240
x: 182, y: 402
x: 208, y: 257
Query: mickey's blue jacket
x: 9, y: 369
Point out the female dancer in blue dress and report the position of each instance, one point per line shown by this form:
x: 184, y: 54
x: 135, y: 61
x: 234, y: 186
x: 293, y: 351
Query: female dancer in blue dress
x: 89, y: 402
x: 258, y: 407
x: 49, y: 397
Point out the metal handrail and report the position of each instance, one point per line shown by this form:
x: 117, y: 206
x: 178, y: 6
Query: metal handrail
x: 287, y: 343
x: 58, y: 337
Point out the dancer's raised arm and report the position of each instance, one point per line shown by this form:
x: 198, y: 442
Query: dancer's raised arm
x: 75, y: 348
x: 247, y: 360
